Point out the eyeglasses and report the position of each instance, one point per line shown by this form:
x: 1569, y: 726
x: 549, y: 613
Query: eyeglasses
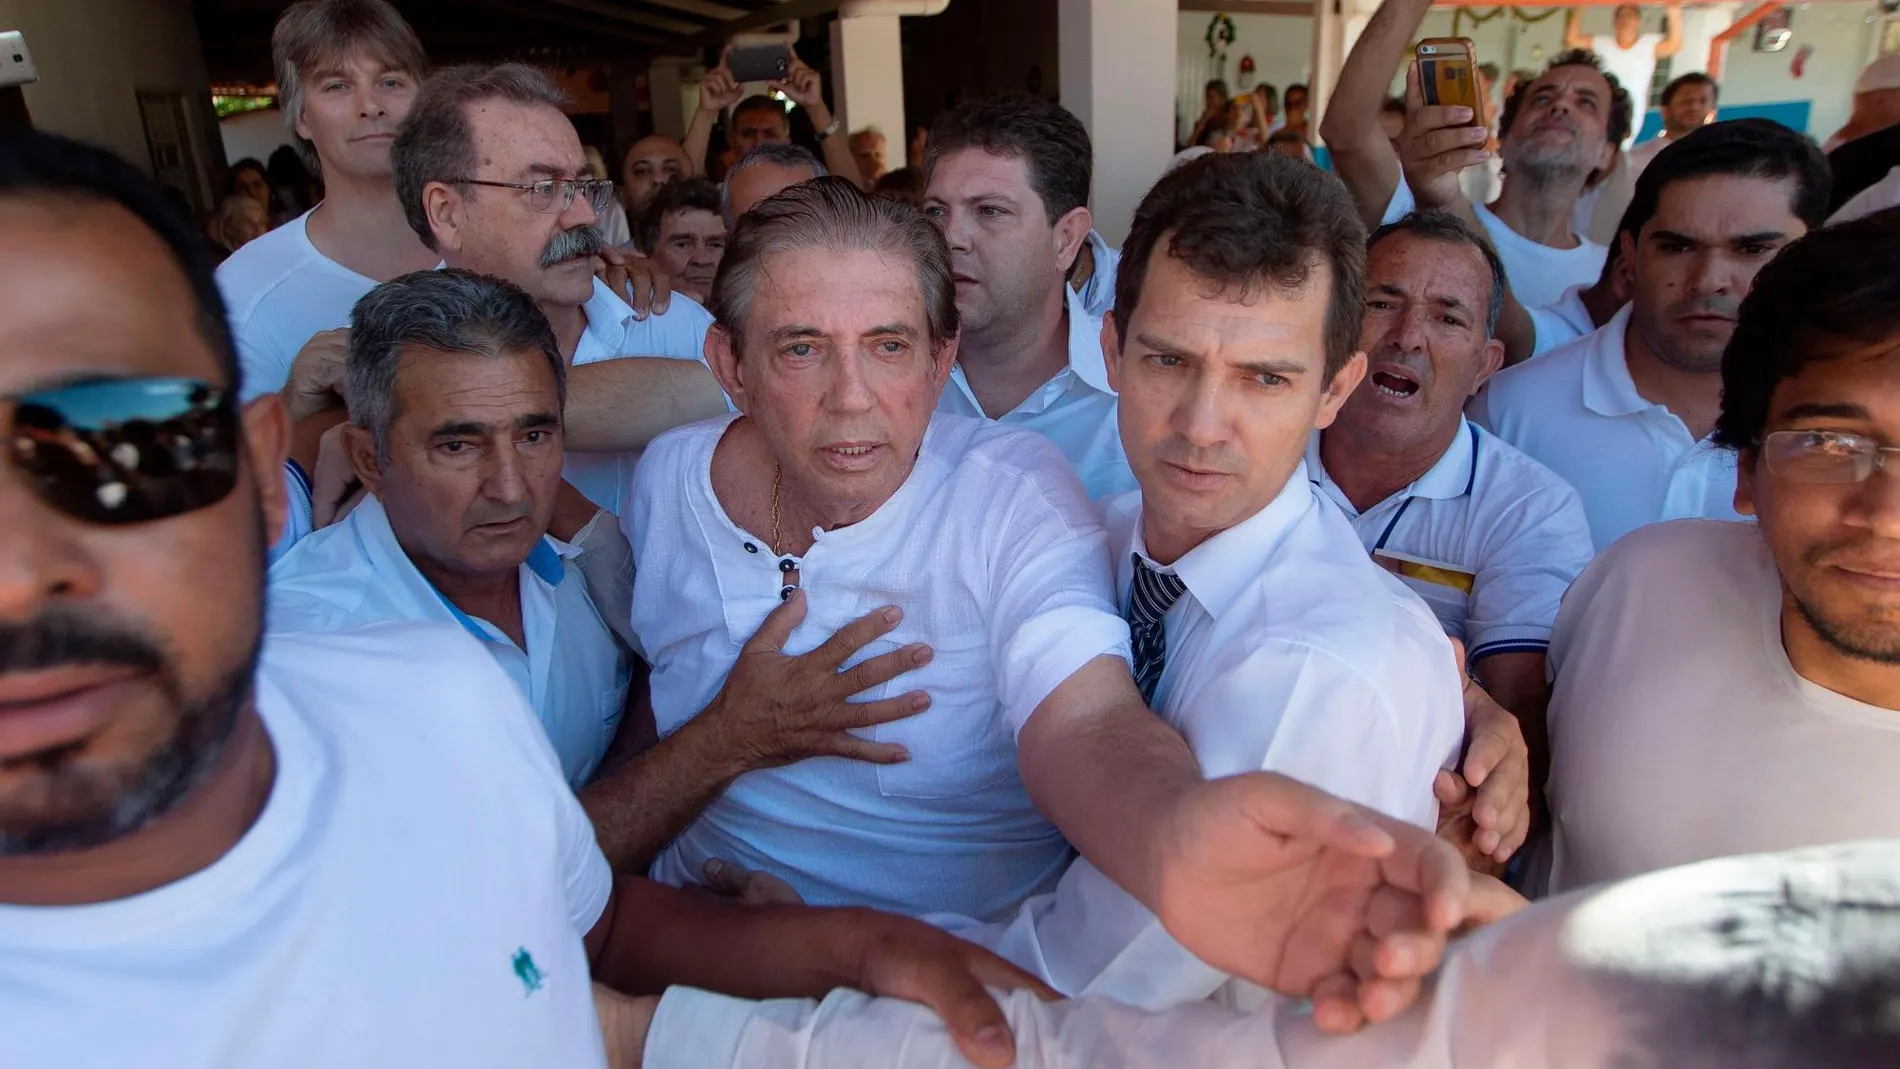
x: 126, y: 451
x: 1824, y: 456
x: 555, y: 194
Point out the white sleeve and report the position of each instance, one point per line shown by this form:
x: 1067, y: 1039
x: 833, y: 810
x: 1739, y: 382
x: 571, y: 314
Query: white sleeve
x: 1533, y: 554
x: 297, y: 517
x: 849, y: 1030
x: 1051, y: 603
x: 1550, y: 330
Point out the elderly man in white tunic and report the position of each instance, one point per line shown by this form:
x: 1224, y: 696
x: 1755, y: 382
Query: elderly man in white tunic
x: 837, y: 491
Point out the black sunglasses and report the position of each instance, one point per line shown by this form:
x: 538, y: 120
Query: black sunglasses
x: 123, y: 451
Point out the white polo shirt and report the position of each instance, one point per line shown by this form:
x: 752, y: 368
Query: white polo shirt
x: 414, y: 891
x: 1289, y: 652
x: 278, y: 291
x: 1489, y: 538
x: 1075, y: 409
x: 611, y: 332
x: 999, y: 563
x: 1576, y: 411
x: 1538, y: 274
x: 297, y: 511
x: 573, y: 672
x: 1098, y: 293
x: 1680, y: 731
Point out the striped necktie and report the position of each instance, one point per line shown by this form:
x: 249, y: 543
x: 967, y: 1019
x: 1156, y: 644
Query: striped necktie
x: 1154, y: 593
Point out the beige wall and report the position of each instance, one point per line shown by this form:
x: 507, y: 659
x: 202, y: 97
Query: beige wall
x: 93, y: 58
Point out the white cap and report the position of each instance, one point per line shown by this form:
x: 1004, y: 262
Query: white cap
x: 1883, y: 73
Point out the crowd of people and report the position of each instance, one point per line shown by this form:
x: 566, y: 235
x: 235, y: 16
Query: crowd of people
x: 863, y: 618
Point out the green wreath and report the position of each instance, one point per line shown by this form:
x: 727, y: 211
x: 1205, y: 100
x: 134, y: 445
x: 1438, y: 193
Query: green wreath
x: 1220, y: 33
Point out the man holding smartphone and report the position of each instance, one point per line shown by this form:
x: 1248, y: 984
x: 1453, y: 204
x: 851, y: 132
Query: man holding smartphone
x: 758, y: 119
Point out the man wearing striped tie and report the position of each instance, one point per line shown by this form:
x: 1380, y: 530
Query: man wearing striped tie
x: 1261, y: 630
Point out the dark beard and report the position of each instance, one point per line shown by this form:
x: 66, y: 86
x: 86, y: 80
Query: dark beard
x: 1847, y: 644
x: 118, y: 801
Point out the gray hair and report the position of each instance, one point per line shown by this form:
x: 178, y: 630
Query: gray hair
x: 436, y: 143
x: 1437, y: 224
x: 314, y: 33
x: 833, y: 213
x: 450, y: 311
x: 777, y: 153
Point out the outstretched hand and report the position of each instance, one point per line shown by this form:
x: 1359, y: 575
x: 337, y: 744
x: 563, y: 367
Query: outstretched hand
x: 1308, y: 895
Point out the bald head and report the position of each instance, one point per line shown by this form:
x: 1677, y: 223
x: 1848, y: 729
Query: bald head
x: 651, y: 163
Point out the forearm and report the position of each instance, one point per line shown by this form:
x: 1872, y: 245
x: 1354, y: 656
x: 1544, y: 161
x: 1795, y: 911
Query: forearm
x: 1361, y: 154
x: 661, y: 936
x: 851, y: 1030
x: 648, y: 801
x: 699, y: 137
x: 1107, y: 772
x: 619, y: 405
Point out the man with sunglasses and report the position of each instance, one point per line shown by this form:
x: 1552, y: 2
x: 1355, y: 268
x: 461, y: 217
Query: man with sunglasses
x: 489, y: 171
x: 1729, y: 688
x: 316, y: 850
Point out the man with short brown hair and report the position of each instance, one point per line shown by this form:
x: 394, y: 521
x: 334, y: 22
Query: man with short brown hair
x: 347, y: 73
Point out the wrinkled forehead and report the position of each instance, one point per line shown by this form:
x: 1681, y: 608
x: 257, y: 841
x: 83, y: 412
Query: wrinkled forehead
x: 524, y: 141
x: 798, y: 291
x: 1572, y: 78
x: 1422, y: 266
x: 434, y: 386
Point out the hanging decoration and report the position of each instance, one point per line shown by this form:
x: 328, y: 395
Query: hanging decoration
x: 1245, y: 81
x: 1478, y: 18
x: 1220, y: 34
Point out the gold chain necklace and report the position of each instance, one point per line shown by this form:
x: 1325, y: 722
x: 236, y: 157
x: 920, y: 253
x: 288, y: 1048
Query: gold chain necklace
x: 778, y: 478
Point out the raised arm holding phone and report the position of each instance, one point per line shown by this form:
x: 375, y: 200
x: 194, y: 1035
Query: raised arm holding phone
x: 749, y: 126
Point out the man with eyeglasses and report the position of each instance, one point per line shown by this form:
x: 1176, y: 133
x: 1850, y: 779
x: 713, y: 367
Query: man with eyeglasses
x: 1728, y: 688
x: 1624, y: 413
x: 356, y: 849
x: 489, y: 172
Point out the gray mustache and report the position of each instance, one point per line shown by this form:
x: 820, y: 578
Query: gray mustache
x: 571, y: 244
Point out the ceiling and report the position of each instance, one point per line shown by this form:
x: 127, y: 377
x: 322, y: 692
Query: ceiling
x: 236, y: 33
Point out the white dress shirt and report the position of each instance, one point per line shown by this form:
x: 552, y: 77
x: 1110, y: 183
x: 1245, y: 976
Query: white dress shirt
x: 1075, y: 409
x: 573, y: 672
x: 1098, y: 293
x: 612, y: 331
x: 1576, y: 411
x: 278, y: 291
x: 1489, y: 538
x: 1679, y: 730
x: 1589, y: 980
x: 1289, y: 652
x: 999, y: 563
x: 413, y: 892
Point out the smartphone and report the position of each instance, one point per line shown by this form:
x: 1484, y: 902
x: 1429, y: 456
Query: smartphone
x: 16, y: 63
x: 1448, y: 75
x: 764, y: 63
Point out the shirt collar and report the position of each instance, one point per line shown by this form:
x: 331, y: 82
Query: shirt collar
x: 1218, y: 570
x: 1608, y: 389
x: 607, y: 319
x: 391, y: 565
x: 1086, y: 358
x: 1454, y: 475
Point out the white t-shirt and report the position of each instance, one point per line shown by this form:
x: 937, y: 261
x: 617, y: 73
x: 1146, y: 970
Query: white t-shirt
x: 1488, y: 537
x: 1538, y: 274
x: 1634, y: 67
x: 414, y: 892
x: 1565, y: 321
x: 1679, y: 730
x: 1289, y: 652
x: 1584, y: 981
x: 1075, y: 409
x: 998, y: 561
x: 1576, y: 411
x: 278, y: 291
